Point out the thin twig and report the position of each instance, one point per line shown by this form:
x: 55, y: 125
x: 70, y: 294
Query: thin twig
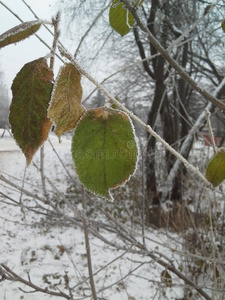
x: 143, y: 192
x: 138, y: 62
x: 207, y: 114
x: 107, y: 265
x: 89, y: 29
x: 55, y: 22
x: 42, y: 155
x: 24, y: 175
x: 12, y: 276
x: 145, y: 252
x: 87, y: 244
x: 17, y: 187
x: 172, y: 61
x: 61, y: 161
x: 190, y: 28
x: 168, y: 184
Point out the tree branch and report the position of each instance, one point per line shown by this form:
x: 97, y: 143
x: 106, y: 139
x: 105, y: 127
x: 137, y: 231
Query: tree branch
x: 142, y: 53
x: 171, y: 177
x: 8, y: 274
x: 171, y: 61
x: 87, y: 244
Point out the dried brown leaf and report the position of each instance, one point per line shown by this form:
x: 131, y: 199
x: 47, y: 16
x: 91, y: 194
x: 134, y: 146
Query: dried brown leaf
x: 65, y: 108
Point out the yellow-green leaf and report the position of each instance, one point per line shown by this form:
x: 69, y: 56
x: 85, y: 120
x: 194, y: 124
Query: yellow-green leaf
x: 120, y: 18
x: 223, y: 26
x: 31, y: 91
x: 215, y: 171
x: 65, y: 107
x: 104, y: 150
x: 114, y: 105
x: 19, y: 33
x: 166, y: 278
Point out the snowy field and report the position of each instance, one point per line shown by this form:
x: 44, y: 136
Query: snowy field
x: 49, y: 252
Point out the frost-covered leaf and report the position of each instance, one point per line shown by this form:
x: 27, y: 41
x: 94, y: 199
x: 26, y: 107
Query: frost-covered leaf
x: 104, y: 150
x: 120, y: 18
x: 31, y: 90
x: 19, y: 33
x: 215, y: 172
x: 166, y: 278
x: 65, y: 107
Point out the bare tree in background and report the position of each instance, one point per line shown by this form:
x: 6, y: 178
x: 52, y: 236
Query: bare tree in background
x: 173, y: 104
x: 173, y: 108
x: 172, y: 114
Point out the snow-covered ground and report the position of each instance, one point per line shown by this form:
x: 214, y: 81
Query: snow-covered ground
x: 50, y: 251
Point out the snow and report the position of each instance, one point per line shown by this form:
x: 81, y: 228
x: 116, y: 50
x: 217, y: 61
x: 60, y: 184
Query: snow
x: 47, y: 250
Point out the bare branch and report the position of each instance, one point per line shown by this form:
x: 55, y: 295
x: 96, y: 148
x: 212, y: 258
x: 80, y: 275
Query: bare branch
x: 173, y: 62
x: 87, y: 244
x: 90, y: 27
x: 8, y: 274
x: 207, y: 113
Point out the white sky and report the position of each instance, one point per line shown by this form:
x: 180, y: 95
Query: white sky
x: 13, y: 57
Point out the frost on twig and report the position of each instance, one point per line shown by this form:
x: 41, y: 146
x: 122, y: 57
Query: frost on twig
x: 207, y: 113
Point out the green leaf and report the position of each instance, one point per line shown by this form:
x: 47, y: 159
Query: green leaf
x: 223, y: 26
x: 31, y: 91
x: 65, y: 107
x: 19, y: 33
x: 120, y: 18
x: 104, y: 150
x: 215, y: 171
